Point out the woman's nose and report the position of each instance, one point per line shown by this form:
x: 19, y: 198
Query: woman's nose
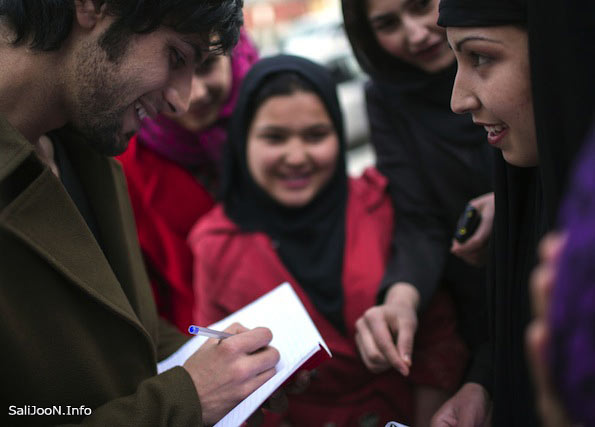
x: 463, y: 99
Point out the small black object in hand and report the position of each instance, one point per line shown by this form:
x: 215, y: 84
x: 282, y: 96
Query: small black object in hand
x: 467, y: 224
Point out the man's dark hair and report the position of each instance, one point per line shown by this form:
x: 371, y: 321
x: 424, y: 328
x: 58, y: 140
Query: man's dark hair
x: 45, y: 24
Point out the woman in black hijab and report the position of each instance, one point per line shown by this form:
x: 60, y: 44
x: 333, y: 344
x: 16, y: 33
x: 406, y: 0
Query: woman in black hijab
x: 289, y: 213
x: 436, y: 162
x: 504, y: 81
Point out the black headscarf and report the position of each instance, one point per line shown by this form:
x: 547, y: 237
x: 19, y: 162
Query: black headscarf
x: 482, y: 13
x: 309, y: 239
x: 527, y: 198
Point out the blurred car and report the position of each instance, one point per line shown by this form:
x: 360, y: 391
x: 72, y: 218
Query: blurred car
x: 324, y: 41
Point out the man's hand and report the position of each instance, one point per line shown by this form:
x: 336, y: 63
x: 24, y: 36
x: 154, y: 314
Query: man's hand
x: 537, y: 335
x: 377, y: 329
x: 467, y: 408
x: 226, y: 371
x: 474, y: 250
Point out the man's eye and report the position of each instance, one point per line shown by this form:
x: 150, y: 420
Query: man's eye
x: 177, y: 59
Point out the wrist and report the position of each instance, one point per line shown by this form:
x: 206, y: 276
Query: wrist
x: 403, y: 293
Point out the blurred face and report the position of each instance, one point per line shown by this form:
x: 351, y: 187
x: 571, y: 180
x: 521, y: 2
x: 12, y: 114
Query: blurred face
x: 493, y: 83
x: 111, y: 96
x: 211, y: 86
x: 292, y: 148
x: 407, y: 29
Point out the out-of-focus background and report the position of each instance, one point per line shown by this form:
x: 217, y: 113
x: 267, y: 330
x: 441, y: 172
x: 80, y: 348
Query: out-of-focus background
x: 314, y: 29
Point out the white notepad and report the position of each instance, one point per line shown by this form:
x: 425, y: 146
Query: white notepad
x: 294, y: 335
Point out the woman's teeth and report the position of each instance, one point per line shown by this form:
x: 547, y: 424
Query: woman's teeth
x: 140, y: 111
x: 494, y: 130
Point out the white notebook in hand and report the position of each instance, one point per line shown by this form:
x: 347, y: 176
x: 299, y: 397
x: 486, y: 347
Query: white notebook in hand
x: 294, y: 335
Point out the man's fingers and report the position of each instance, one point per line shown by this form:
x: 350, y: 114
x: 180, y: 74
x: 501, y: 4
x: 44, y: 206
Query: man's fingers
x: 249, y: 341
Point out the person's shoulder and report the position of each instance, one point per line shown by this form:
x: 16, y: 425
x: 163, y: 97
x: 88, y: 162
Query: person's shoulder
x: 214, y: 224
x: 369, y: 189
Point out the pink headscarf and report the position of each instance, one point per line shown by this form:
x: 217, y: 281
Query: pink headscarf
x: 200, y: 150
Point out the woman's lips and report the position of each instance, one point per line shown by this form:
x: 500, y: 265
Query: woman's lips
x: 495, y: 133
x: 295, y: 182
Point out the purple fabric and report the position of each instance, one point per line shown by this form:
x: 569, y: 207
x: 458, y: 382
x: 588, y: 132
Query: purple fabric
x: 200, y: 149
x: 572, y: 349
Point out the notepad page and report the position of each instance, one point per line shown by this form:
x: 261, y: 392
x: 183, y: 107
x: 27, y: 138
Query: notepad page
x: 294, y: 335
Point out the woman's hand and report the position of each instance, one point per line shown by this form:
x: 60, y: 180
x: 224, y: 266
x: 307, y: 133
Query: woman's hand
x: 474, y: 250
x: 377, y: 329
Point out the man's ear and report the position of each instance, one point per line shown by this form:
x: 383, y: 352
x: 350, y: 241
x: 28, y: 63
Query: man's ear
x: 88, y: 14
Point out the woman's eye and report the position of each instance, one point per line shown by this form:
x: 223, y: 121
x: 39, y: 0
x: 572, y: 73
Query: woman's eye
x: 177, y: 59
x: 273, y: 138
x: 478, y: 60
x: 315, y: 136
x: 386, y: 23
x: 419, y: 6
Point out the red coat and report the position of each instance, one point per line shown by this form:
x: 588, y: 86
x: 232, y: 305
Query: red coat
x: 167, y: 201
x: 232, y: 268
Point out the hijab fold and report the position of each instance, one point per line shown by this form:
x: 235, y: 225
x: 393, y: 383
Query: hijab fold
x: 309, y: 239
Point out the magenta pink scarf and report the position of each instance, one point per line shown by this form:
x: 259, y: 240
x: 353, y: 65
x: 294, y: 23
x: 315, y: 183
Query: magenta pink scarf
x: 199, y: 149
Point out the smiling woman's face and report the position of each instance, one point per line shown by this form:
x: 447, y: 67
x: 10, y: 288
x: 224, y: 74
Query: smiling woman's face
x: 292, y: 148
x: 407, y: 29
x: 493, y: 83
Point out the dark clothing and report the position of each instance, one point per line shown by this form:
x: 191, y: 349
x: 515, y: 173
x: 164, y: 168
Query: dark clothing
x: 527, y: 200
x: 519, y: 225
x: 309, y: 239
x: 79, y: 326
x: 431, y: 178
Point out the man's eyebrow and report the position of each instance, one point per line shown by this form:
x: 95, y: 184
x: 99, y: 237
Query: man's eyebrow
x: 460, y: 43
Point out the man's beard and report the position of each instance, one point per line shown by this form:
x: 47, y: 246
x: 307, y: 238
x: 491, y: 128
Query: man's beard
x: 103, y: 132
x: 100, y: 112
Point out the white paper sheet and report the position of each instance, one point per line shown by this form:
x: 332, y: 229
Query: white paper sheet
x: 294, y: 335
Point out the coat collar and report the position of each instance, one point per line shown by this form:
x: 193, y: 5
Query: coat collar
x: 44, y: 217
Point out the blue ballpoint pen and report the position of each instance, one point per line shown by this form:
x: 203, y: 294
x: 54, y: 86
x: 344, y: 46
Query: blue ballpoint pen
x: 209, y: 333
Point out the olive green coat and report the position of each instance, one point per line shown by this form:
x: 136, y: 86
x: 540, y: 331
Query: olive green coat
x: 78, y: 325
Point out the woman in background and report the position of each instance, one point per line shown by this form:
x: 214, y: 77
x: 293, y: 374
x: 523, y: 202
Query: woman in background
x: 290, y: 213
x: 172, y: 167
x: 436, y: 162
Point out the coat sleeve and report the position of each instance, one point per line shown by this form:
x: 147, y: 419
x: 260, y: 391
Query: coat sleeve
x: 168, y: 399
x: 420, y: 242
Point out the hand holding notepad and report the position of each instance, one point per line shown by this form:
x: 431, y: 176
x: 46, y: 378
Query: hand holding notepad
x: 294, y: 336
